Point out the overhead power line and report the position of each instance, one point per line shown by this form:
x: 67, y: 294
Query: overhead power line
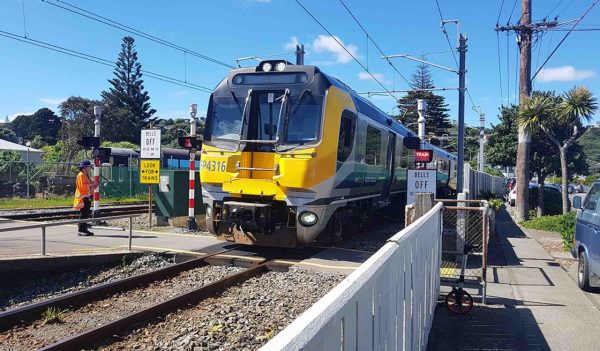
x: 374, y: 43
x: 107, y: 21
x: 99, y: 60
x: 565, y: 37
x: 345, y: 49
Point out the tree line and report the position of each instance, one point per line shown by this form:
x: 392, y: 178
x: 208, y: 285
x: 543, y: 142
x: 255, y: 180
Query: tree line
x: 126, y: 109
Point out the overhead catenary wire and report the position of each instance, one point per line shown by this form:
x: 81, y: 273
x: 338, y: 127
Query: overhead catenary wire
x: 345, y: 49
x: 107, y: 21
x: 100, y: 60
x: 499, y: 68
x: 374, y: 43
x: 443, y: 26
x: 565, y: 37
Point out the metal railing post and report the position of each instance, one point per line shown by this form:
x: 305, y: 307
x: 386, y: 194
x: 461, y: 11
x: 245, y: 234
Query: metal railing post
x: 130, y: 231
x: 43, y: 241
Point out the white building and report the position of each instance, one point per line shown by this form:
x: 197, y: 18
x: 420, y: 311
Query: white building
x: 35, y: 155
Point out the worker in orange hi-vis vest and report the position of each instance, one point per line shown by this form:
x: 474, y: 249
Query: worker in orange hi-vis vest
x: 83, y: 194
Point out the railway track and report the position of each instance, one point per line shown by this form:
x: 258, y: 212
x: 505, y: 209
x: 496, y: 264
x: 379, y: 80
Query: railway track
x: 70, y: 214
x: 87, y: 302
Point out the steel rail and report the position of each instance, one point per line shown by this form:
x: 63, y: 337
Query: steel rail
x: 89, y: 337
x: 79, y: 298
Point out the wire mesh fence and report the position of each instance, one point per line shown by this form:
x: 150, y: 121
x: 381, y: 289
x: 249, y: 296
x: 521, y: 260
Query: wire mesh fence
x: 465, y: 222
x: 57, y: 179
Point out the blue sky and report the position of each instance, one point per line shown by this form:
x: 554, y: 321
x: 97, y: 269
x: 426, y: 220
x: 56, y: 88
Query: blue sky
x: 33, y: 77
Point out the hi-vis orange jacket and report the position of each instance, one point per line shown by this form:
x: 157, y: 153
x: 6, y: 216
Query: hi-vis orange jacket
x: 83, y: 188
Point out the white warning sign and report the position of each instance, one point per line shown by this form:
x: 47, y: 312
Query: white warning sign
x: 420, y: 181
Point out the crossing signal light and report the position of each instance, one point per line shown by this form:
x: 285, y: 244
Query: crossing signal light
x: 89, y: 142
x: 411, y: 142
x: 423, y: 156
x: 189, y: 142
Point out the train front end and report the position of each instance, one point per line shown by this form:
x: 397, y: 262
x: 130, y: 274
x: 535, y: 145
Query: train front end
x: 267, y: 155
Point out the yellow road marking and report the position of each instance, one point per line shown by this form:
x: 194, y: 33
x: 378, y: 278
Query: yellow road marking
x: 447, y: 271
x: 165, y: 249
x: 303, y: 263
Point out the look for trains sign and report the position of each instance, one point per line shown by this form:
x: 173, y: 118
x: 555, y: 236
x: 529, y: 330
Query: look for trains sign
x: 149, y: 171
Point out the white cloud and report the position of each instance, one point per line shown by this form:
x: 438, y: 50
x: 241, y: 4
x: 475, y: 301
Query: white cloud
x: 13, y: 116
x: 328, y: 44
x: 380, y: 77
x: 291, y: 45
x: 52, y: 101
x: 563, y: 74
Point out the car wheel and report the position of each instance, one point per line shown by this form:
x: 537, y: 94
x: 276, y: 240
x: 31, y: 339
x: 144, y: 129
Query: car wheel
x: 583, y: 272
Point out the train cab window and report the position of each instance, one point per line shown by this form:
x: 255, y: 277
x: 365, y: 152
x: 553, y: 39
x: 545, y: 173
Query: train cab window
x: 304, y: 121
x: 444, y: 166
x: 373, y: 147
x: 346, y: 140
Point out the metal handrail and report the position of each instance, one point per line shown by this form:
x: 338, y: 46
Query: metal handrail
x: 43, y: 226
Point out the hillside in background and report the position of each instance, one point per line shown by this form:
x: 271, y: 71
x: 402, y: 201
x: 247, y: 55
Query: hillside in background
x: 590, y: 141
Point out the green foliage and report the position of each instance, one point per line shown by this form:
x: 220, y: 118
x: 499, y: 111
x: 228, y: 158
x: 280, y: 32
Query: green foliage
x: 496, y: 204
x: 590, y: 142
x: 54, y: 153
x: 501, y: 148
x: 43, y: 124
x: 12, y: 168
x: 52, y: 315
x: 121, y: 144
x: 9, y: 135
x: 493, y: 171
x: 564, y: 224
x: 437, y: 110
x: 129, y: 107
x: 590, y: 179
x: 552, y: 201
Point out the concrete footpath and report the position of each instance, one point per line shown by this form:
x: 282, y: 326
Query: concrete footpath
x: 533, y: 304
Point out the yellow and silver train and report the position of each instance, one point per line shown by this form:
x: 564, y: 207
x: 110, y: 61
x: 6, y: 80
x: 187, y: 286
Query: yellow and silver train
x: 290, y: 153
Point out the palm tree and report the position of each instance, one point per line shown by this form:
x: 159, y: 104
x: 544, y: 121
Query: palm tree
x: 559, y: 119
x: 534, y: 112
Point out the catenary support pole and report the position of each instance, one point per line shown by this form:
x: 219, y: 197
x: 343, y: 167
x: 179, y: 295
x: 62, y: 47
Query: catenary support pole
x: 462, y: 49
x: 481, y: 142
x: 421, y: 108
x: 97, y: 161
x: 191, y: 223
x: 300, y: 54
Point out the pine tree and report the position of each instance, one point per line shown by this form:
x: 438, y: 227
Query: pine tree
x: 436, y: 116
x: 128, y: 103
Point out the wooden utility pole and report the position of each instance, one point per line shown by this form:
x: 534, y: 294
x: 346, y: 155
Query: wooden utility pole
x: 524, y: 41
x: 524, y: 32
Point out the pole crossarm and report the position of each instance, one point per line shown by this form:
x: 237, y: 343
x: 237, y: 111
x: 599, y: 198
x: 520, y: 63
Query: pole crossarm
x: 540, y: 26
x: 372, y: 93
x: 408, y: 57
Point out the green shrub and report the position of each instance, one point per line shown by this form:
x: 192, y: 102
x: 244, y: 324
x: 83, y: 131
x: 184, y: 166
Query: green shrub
x: 564, y: 224
x: 496, y: 204
x: 552, y: 201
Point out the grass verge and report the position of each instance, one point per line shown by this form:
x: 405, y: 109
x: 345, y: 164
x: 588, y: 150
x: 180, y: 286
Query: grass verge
x: 563, y: 224
x: 18, y: 202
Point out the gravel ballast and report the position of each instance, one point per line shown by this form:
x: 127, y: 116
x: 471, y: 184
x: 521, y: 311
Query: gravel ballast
x: 38, y: 334
x: 27, y: 292
x: 244, y: 317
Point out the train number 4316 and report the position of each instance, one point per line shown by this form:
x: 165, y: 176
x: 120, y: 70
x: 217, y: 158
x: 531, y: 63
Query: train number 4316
x: 213, y: 166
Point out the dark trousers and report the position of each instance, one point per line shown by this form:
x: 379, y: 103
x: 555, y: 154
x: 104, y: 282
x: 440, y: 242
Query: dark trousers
x: 84, y: 213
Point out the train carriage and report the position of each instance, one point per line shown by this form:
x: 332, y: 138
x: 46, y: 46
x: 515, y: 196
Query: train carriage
x: 289, y: 152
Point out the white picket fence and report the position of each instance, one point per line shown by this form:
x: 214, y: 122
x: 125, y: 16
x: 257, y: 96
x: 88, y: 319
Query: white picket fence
x: 477, y: 183
x: 385, y: 304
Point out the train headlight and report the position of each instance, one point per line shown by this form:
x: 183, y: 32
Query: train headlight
x: 266, y: 67
x: 308, y: 218
x: 280, y: 66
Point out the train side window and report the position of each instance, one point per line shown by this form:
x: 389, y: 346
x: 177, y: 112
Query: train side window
x: 346, y: 140
x: 373, y: 146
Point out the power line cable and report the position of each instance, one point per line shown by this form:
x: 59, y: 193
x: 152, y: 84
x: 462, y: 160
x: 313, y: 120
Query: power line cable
x: 554, y: 8
x: 374, y: 43
x: 101, y: 61
x: 345, y: 49
x: 98, y: 18
x: 500, y: 13
x: 443, y: 26
x: 565, y: 37
x: 499, y: 68
x: 511, y: 12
